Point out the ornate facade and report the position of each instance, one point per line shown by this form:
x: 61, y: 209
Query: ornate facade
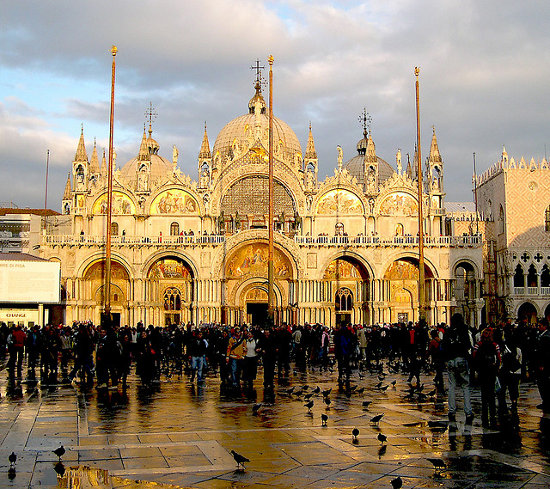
x: 346, y: 248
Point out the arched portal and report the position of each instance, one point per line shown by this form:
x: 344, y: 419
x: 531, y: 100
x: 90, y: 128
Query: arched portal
x: 346, y: 281
x: 465, y: 291
x: 171, y: 290
x: 401, y: 291
x: 94, y: 278
x: 246, y: 284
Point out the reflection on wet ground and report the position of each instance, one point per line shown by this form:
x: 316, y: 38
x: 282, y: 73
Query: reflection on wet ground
x: 182, y: 435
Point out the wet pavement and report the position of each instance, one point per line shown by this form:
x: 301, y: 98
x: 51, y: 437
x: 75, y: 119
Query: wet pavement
x: 182, y: 435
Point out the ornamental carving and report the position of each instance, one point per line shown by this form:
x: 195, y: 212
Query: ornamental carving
x: 339, y: 202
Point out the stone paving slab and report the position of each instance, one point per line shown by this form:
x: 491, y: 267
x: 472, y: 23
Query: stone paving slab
x: 181, y: 434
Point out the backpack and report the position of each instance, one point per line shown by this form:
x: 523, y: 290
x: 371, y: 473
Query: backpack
x: 510, y: 362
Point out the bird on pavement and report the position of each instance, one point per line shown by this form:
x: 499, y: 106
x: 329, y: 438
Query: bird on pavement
x: 360, y: 390
x: 309, y: 405
x: 361, y: 376
x: 384, y: 388
x: 240, y: 459
x: 432, y: 393
x: 324, y: 419
x: 397, y: 483
x: 327, y: 392
x: 376, y: 419
x: 305, y: 387
x: 290, y: 391
x: 327, y: 401
x: 382, y: 438
x: 366, y: 404
x: 59, y: 469
x: 382, y: 451
x: 393, y: 382
x: 352, y: 387
x: 12, y: 459
x: 307, y: 397
x: 59, y: 452
x: 381, y: 376
x: 355, y: 434
x: 438, y: 464
x: 317, y: 390
x: 256, y: 408
x: 378, y: 385
x: 438, y: 424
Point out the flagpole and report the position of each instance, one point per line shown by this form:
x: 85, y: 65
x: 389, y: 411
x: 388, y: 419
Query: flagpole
x: 107, y: 289
x: 270, y: 272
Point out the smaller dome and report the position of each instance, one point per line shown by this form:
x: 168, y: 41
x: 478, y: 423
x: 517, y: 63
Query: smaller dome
x: 362, y: 145
x: 356, y: 168
x: 257, y: 100
x: 160, y: 168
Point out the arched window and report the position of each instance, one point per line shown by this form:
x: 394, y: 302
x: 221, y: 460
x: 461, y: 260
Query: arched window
x: 547, y: 219
x: 545, y: 277
x: 174, y: 229
x: 519, y: 278
x: 501, y: 220
x: 67, y: 208
x: 344, y: 300
x: 172, y: 299
x: 532, y: 277
x: 114, y: 229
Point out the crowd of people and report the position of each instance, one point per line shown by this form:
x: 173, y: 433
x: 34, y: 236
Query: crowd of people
x: 496, y: 357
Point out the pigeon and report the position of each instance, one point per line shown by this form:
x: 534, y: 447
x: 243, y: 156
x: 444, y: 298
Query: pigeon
x: 327, y: 402
x: 438, y: 464
x: 327, y: 392
x: 309, y: 405
x: 432, y: 393
x: 256, y: 408
x: 307, y: 397
x: 355, y: 433
x: 59, y: 452
x: 376, y: 419
x: 290, y: 391
x: 384, y: 388
x: 378, y: 385
x: 393, y: 382
x: 381, y: 376
x: 397, y: 483
x: 59, y: 469
x: 360, y: 391
x: 382, y: 451
x: 361, y: 376
x: 317, y: 390
x: 305, y: 387
x: 12, y: 459
x: 382, y: 438
x: 438, y: 424
x: 353, y: 387
x: 240, y: 459
x: 324, y: 419
x: 366, y: 404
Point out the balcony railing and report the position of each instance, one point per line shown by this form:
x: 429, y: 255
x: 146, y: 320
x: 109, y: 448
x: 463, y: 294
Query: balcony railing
x: 531, y: 291
x: 401, y: 241
x: 198, y: 240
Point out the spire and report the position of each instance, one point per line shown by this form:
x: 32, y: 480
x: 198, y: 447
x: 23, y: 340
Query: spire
x: 67, y: 192
x: 143, y: 149
x: 435, y: 156
x: 409, y: 170
x: 94, y: 163
x: 81, y: 148
x: 103, y: 164
x: 504, y: 154
x: 310, y: 150
x: 205, y: 146
x: 371, y: 150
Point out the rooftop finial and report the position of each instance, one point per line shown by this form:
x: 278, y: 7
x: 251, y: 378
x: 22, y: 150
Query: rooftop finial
x: 151, y: 114
x: 365, y: 119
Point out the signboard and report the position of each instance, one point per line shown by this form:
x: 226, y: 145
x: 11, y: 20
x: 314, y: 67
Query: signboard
x: 34, y: 282
x: 17, y: 316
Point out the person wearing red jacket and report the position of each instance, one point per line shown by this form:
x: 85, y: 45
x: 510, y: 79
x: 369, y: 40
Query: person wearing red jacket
x: 16, y: 342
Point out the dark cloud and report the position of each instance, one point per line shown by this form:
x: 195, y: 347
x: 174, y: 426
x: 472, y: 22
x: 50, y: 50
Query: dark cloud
x: 483, y: 76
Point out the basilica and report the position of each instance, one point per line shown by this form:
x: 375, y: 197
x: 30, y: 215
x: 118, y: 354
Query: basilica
x: 195, y: 250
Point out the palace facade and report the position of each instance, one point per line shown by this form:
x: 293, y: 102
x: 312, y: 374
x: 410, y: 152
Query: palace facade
x: 185, y: 250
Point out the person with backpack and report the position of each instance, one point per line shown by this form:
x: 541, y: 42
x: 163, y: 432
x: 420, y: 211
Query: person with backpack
x: 457, y: 346
x: 487, y: 361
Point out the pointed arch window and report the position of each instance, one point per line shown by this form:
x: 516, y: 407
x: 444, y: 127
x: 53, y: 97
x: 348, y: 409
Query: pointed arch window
x: 532, y: 277
x: 501, y: 220
x: 172, y: 299
x: 545, y: 277
x: 519, y: 277
x: 547, y: 219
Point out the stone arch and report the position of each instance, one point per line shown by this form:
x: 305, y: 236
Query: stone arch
x: 123, y: 203
x: 338, y: 200
x: 351, y: 255
x: 429, y: 266
x: 166, y: 254
x: 239, y: 295
x: 94, y: 278
x: 527, y: 311
x: 178, y: 200
x: 469, y: 264
x: 99, y: 256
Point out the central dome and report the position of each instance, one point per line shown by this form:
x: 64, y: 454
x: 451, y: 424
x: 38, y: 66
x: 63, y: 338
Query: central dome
x: 252, y: 131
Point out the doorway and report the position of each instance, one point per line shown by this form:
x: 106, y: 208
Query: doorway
x: 257, y: 313
x: 115, y: 319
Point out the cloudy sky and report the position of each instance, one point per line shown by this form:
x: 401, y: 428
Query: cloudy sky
x: 484, y: 79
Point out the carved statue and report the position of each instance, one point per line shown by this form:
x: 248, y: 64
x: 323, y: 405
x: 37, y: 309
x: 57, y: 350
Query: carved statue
x: 340, y: 157
x: 175, y: 154
x: 399, y: 165
x: 142, y: 181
